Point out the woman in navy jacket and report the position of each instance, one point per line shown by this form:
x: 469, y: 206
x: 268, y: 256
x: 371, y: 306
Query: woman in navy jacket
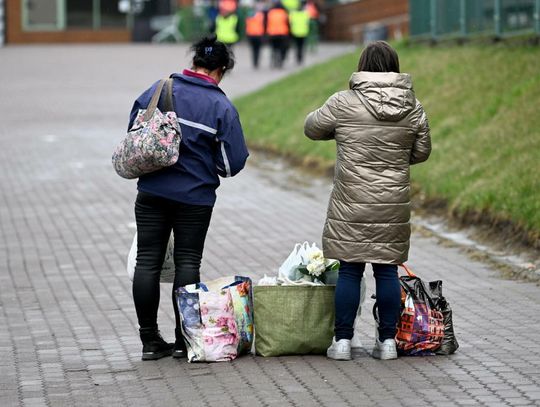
x: 181, y: 197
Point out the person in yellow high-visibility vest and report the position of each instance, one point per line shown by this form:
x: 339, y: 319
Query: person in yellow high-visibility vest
x: 299, y: 22
x: 291, y: 5
x: 227, y: 28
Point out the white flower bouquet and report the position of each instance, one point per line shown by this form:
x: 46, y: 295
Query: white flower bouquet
x: 319, y: 269
x: 305, y: 265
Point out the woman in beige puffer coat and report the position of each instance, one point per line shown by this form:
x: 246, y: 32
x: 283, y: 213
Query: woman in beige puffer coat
x: 380, y: 129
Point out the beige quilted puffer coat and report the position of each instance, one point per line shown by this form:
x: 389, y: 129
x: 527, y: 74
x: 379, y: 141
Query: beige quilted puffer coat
x: 380, y: 130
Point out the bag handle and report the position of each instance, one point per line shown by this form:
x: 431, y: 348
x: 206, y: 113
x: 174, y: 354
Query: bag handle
x: 203, y: 287
x: 169, y: 102
x: 409, y: 272
x: 154, y: 101
x: 288, y: 282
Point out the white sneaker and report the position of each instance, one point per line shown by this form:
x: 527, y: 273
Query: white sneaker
x: 384, y: 350
x: 340, y: 350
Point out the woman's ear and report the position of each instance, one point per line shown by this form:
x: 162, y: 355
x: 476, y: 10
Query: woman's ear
x: 221, y: 72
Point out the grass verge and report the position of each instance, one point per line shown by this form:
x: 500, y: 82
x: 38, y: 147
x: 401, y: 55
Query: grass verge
x: 483, y: 104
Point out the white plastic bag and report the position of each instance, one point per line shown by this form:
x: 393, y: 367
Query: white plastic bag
x: 288, y: 273
x: 167, y: 270
x: 268, y: 281
x: 294, y: 259
x: 355, y: 342
x: 299, y: 255
x: 301, y: 281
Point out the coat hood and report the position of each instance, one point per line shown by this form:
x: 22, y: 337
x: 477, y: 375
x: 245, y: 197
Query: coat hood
x: 387, y: 96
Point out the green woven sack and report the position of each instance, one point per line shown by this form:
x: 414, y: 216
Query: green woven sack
x: 293, y: 320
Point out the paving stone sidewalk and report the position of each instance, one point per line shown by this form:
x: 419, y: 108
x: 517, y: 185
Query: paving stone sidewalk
x: 69, y: 332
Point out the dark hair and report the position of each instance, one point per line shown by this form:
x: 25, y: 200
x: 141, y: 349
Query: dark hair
x: 379, y: 56
x: 212, y: 54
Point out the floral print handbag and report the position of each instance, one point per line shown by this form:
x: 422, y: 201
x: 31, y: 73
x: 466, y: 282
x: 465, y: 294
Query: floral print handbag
x: 208, y: 325
x: 153, y: 142
x: 217, y: 318
x: 241, y: 289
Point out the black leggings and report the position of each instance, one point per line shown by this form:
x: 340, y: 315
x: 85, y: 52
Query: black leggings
x: 299, y: 43
x: 156, y: 217
x: 255, y: 42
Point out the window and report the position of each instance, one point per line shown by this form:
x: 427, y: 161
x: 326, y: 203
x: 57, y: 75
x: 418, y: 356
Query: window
x: 79, y: 13
x: 111, y: 17
x: 51, y: 15
x: 42, y: 14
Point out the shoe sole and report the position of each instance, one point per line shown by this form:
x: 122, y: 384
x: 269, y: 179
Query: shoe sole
x: 179, y: 354
x: 338, y: 355
x: 378, y: 355
x: 156, y: 355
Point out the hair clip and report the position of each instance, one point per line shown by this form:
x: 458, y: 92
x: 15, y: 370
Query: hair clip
x: 208, y: 50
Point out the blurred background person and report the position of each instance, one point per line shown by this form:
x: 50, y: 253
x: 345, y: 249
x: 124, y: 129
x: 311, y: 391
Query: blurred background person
x: 255, y: 31
x: 299, y: 22
x: 227, y: 28
x: 291, y: 5
x: 227, y: 6
x: 278, y: 30
x: 312, y: 7
x: 212, y: 12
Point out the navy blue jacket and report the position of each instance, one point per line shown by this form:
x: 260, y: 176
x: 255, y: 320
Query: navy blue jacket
x: 212, y: 142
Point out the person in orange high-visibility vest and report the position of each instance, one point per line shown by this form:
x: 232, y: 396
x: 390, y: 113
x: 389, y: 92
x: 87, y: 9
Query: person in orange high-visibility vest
x: 277, y: 28
x: 255, y: 31
x: 227, y: 6
x: 312, y: 9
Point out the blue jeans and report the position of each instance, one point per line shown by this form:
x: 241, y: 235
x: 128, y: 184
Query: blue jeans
x: 388, y: 293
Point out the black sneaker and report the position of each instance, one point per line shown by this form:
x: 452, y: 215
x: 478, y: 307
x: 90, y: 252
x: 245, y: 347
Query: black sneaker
x: 179, y: 350
x: 154, y: 346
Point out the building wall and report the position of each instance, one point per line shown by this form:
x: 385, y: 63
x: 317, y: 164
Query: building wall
x: 348, y: 22
x: 16, y: 35
x: 2, y: 23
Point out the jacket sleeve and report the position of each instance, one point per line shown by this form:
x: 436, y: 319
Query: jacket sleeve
x: 142, y: 102
x: 231, y: 152
x: 321, y: 124
x: 422, y: 144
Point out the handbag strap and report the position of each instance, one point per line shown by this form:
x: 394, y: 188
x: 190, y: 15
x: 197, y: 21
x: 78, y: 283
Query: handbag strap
x: 169, y: 102
x: 409, y: 272
x: 154, y: 101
